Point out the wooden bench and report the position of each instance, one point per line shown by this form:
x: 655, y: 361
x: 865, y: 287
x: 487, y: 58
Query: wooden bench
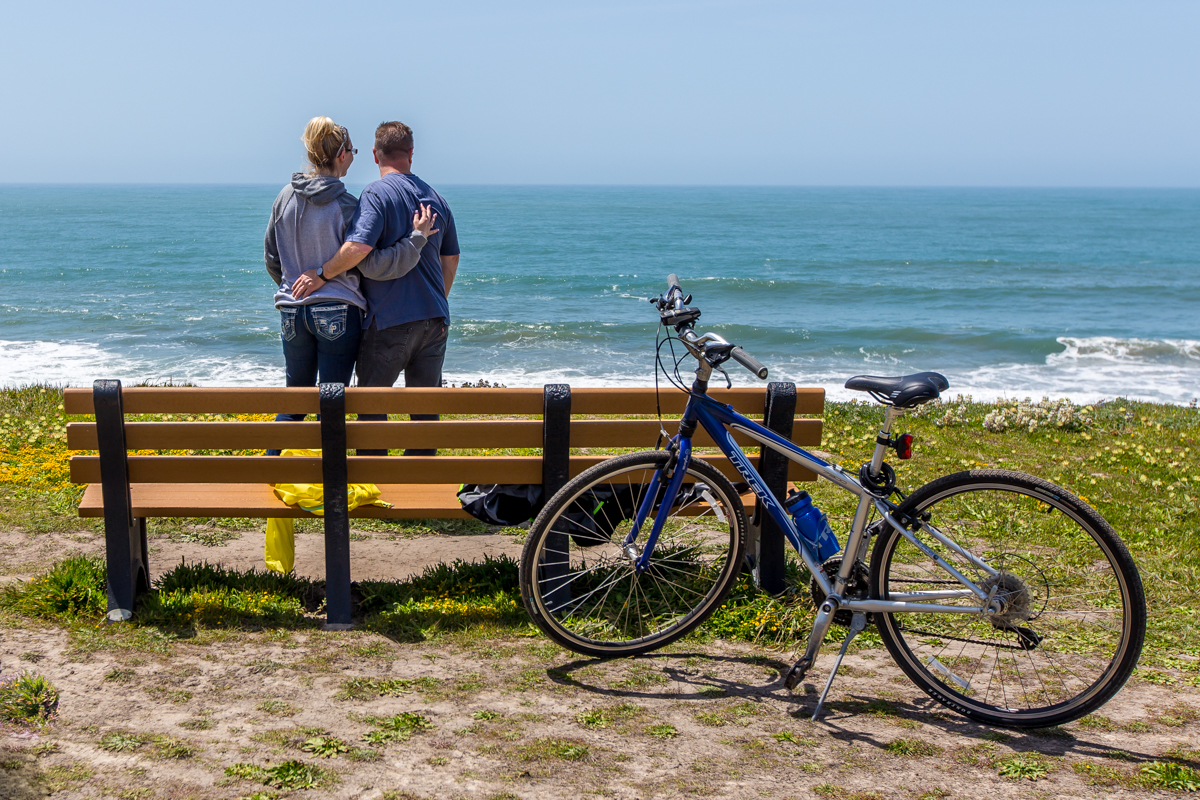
x: 127, y: 489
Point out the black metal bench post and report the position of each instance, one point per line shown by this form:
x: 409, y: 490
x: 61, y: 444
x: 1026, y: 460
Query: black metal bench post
x: 778, y: 416
x: 556, y: 462
x: 337, y: 507
x: 128, y: 570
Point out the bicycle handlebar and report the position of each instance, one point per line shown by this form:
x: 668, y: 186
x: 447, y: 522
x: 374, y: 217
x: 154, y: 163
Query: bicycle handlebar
x: 749, y: 362
x: 675, y: 299
x: 674, y: 294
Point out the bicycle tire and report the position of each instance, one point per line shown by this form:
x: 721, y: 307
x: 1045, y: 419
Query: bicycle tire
x: 695, y: 563
x: 1075, y: 611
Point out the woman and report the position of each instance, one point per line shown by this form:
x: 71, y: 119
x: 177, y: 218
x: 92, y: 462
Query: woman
x: 320, y: 328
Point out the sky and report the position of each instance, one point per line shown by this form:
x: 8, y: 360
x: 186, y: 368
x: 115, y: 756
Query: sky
x: 751, y: 92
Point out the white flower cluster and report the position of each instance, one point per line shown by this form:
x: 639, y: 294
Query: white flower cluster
x: 948, y: 413
x: 1062, y: 414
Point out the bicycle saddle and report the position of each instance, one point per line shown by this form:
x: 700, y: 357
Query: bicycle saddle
x: 906, y: 391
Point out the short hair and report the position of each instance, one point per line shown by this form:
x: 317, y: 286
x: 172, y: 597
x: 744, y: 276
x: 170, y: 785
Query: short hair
x: 324, y: 140
x: 393, y: 139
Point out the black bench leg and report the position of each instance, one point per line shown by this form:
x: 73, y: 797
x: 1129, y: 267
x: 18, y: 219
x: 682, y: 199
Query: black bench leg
x: 127, y: 565
x: 556, y: 461
x: 769, y: 561
x: 337, y: 507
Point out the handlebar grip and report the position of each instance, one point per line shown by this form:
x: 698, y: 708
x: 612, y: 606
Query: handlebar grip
x: 749, y: 362
x: 673, y: 282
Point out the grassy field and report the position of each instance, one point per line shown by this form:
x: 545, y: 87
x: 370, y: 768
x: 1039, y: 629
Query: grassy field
x: 446, y: 686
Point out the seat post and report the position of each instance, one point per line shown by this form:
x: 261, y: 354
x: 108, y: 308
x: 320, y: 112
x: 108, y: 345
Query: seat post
x: 889, y: 418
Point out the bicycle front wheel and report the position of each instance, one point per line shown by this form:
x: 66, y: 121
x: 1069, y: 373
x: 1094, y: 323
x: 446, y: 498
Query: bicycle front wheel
x: 1073, y: 613
x: 579, y: 579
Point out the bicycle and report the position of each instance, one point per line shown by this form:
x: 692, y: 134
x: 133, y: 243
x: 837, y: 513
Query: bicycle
x: 1002, y: 596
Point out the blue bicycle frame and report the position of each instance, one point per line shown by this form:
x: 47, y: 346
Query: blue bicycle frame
x: 719, y: 420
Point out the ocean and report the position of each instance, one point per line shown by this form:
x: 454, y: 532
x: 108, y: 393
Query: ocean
x: 1079, y: 293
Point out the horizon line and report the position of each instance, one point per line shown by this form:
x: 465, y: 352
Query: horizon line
x: 1129, y: 187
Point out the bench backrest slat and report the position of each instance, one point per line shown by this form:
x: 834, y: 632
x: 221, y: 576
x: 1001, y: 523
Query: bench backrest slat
x: 382, y: 470
x: 202, y: 400
x: 197, y: 400
x: 455, y: 434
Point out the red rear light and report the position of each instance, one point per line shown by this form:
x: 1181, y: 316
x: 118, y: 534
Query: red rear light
x: 904, y: 446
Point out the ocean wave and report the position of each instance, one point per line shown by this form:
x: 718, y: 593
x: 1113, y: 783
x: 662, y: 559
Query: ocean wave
x: 1086, y: 369
x: 81, y: 363
x: 1132, y: 351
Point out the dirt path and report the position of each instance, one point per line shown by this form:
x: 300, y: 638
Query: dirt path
x: 517, y: 717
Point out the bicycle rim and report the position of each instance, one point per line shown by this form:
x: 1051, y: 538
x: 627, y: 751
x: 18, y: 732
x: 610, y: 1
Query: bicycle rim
x: 579, y: 580
x: 1074, y: 611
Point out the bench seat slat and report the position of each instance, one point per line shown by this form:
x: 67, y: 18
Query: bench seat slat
x: 429, y: 501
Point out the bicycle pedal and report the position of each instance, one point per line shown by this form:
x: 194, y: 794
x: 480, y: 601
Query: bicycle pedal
x: 797, y: 673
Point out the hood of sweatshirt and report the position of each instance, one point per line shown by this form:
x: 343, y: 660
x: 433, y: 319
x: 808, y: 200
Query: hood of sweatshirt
x: 317, y: 189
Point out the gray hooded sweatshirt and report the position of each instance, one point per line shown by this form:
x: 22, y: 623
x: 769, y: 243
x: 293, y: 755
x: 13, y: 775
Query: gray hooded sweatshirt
x: 308, y: 224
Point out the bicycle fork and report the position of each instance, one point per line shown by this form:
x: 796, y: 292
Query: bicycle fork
x: 682, y: 457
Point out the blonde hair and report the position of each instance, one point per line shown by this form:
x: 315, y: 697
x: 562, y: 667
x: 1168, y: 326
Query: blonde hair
x: 324, y: 140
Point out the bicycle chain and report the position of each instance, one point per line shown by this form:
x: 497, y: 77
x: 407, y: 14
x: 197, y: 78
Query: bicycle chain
x: 948, y: 636
x: 961, y: 639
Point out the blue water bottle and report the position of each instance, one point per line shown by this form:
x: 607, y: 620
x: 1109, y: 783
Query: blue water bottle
x: 813, y: 526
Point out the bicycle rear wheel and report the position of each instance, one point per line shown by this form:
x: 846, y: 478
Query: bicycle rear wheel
x: 578, y: 578
x: 1074, y: 613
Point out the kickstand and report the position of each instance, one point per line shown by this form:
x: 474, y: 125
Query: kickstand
x: 857, y: 624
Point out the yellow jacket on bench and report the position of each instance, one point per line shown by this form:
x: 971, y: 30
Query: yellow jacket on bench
x: 280, y: 550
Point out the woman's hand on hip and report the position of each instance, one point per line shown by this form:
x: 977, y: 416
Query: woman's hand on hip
x: 306, y: 284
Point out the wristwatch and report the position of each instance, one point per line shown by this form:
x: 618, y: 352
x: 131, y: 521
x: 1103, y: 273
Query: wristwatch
x: 321, y: 273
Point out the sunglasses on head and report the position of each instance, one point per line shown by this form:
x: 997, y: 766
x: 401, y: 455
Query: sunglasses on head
x: 345, y: 141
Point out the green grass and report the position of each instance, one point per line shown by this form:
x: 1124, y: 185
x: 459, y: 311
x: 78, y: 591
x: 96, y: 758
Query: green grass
x: 325, y: 746
x: 912, y: 748
x: 1168, y: 775
x: 662, y: 731
x: 288, y: 775
x: 28, y: 699
x: 1022, y: 766
x: 121, y: 742
x: 71, y: 589
x: 398, y: 728
x: 558, y: 749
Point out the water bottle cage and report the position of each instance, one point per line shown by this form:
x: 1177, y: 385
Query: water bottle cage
x: 883, y: 484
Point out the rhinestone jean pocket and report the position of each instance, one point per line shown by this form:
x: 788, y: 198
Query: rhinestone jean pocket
x: 329, y: 320
x: 287, y: 327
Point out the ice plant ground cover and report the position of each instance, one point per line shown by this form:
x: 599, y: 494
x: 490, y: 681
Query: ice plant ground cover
x: 225, y: 686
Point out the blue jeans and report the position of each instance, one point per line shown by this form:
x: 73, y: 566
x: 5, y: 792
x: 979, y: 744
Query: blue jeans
x: 320, y: 342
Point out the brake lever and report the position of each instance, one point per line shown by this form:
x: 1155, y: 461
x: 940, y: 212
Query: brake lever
x: 728, y: 381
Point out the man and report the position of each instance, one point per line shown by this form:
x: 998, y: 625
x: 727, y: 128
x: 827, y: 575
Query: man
x: 407, y: 318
